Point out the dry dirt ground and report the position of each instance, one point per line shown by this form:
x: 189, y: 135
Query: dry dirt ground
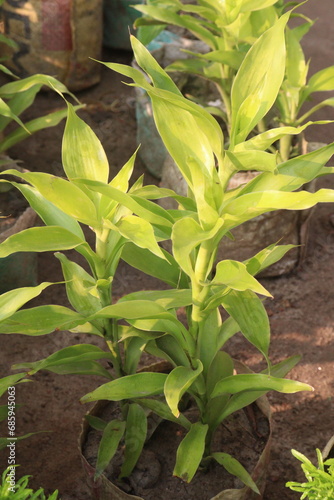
x: 301, y: 314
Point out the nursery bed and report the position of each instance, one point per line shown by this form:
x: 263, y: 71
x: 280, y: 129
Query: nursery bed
x: 301, y: 314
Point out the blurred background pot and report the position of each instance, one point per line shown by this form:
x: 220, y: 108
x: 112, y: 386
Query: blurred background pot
x: 119, y: 16
x: 19, y: 269
x: 55, y: 37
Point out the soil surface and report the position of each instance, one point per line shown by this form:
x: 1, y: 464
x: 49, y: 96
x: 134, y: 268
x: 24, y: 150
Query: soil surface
x: 301, y: 314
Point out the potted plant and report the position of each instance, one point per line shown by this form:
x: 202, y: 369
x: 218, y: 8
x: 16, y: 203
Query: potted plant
x: 228, y: 32
x: 127, y: 224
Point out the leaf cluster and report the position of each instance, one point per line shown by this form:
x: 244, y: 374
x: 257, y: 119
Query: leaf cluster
x: 320, y: 478
x: 22, y: 490
x: 230, y: 30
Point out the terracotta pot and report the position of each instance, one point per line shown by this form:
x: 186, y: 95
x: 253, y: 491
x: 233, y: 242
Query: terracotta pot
x: 105, y: 489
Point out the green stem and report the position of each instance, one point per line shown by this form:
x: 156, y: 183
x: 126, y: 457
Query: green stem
x: 227, y: 103
x: 285, y: 147
x: 105, y: 294
x: 202, y: 270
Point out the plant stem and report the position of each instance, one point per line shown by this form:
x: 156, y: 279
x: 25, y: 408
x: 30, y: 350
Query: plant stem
x: 105, y: 294
x: 285, y: 147
x: 202, y: 270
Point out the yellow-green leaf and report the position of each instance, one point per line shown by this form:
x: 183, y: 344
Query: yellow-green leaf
x: 258, y: 81
x: 234, y: 274
x: 82, y: 152
x: 177, y: 383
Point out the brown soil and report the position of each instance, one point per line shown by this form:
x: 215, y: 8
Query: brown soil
x: 301, y: 314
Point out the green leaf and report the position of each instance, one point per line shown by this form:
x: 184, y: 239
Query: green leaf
x: 235, y: 275
x: 10, y: 381
x: 128, y: 387
x: 65, y: 195
x: 166, y: 270
x: 248, y: 311
x: 232, y: 58
x: 251, y: 5
x: 147, y: 62
x: 296, y: 67
x: 169, y: 299
x: 258, y: 81
x: 221, y: 367
x: 111, y: 437
x: 292, y: 174
x: 12, y: 88
x: 133, y: 347
x: 170, y: 346
x: 19, y: 102
x: 194, y: 66
x: 184, y: 119
x: 266, y: 258
x: 321, y: 81
x: 81, y: 368
x: 82, y: 152
x: 258, y: 382
x: 78, y: 287
x: 135, y: 436
x: 187, y: 234
x: 243, y: 399
x: 178, y: 382
x: 253, y: 160
x: 188, y: 132
x: 122, y: 178
x: 251, y: 205
x: 66, y: 356
x: 229, y: 328
x: 43, y: 122
x: 139, y: 232
x: 190, y: 452
x: 11, y: 301
x: 151, y: 192
x: 145, y: 209
x: 135, y: 309
x: 163, y: 411
x: 266, y: 139
x: 167, y: 16
x: 234, y: 467
x: 148, y: 315
x: 48, y: 212
x: 96, y: 422
x: 7, y: 112
x: 42, y: 320
x: 40, y: 239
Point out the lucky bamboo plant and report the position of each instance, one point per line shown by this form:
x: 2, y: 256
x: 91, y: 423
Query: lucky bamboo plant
x: 195, y: 141
x: 127, y: 224
x: 230, y: 29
